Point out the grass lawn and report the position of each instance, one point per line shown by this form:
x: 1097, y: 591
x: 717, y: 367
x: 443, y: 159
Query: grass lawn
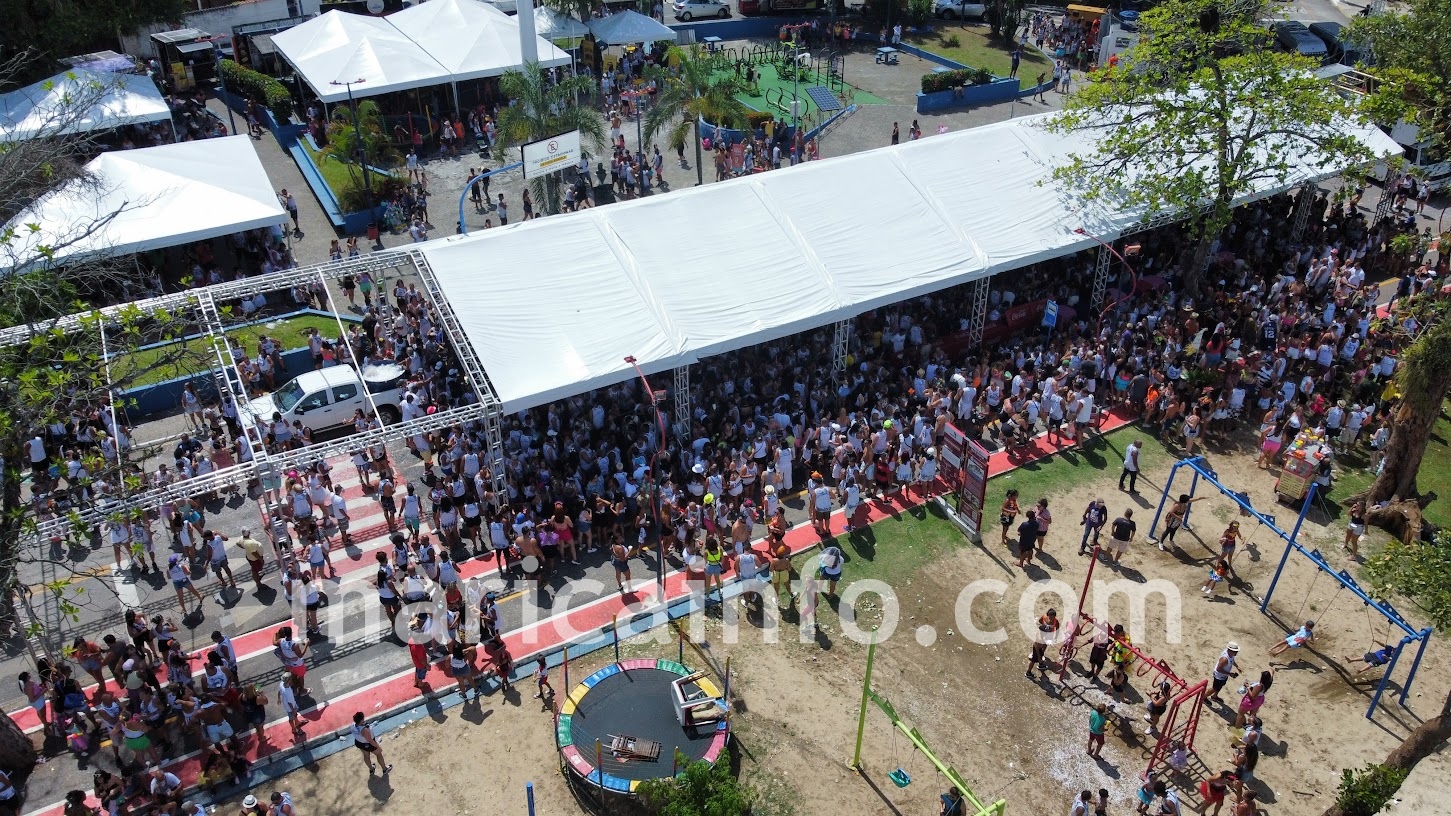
x: 333, y: 172
x: 977, y: 51
x: 1351, y: 477
x: 154, y: 365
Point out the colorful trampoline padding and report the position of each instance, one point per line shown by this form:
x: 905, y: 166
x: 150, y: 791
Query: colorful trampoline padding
x: 584, y: 765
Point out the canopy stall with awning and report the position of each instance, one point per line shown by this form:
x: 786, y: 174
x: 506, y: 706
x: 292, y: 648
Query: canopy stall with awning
x: 555, y: 26
x: 132, y: 201
x: 80, y: 101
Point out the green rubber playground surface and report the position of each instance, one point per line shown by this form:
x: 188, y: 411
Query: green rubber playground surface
x: 768, y: 81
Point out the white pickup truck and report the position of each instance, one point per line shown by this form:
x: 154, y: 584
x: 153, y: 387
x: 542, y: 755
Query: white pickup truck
x: 329, y: 397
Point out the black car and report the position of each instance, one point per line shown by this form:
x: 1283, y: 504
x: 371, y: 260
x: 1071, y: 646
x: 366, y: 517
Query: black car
x: 1333, y: 35
x: 1295, y: 37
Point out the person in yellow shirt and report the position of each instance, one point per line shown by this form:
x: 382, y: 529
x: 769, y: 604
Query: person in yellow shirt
x: 252, y: 548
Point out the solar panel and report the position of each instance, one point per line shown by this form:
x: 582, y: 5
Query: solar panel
x: 825, y: 100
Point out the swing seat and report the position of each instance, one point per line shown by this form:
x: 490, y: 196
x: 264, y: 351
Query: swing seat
x: 900, y: 778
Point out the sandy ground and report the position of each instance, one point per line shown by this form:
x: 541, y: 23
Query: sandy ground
x: 796, y: 704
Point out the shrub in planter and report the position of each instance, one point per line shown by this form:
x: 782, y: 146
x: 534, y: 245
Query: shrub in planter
x: 758, y: 119
x: 259, y: 88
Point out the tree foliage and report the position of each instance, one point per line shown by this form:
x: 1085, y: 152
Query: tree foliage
x: 51, y: 376
x: 581, y: 10
x: 1413, y: 63
x: 51, y: 30
x: 539, y: 108
x: 689, y: 92
x: 1193, y: 119
x: 701, y: 789
x: 1419, y: 571
x: 344, y: 140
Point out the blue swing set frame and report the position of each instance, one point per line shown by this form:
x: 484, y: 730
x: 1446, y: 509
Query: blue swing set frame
x: 1201, y: 470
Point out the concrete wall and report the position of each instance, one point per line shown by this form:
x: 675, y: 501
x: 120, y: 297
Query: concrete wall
x: 999, y: 90
x: 219, y: 21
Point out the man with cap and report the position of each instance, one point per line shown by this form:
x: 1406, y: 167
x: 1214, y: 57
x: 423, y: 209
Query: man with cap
x: 1224, y: 668
x: 251, y: 807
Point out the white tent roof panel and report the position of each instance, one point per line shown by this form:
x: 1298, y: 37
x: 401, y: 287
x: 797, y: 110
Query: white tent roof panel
x: 49, y: 107
x: 342, y: 47
x: 555, y: 25
x: 627, y: 27
x: 470, y: 38
x: 151, y: 198
x: 675, y: 278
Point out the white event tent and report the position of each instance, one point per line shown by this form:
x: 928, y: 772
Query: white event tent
x: 150, y: 198
x: 435, y: 43
x: 553, y: 306
x: 52, y: 107
x: 342, y: 47
x: 627, y: 27
x: 469, y: 38
x: 554, y: 25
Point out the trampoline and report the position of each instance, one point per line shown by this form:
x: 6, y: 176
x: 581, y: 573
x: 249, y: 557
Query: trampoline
x: 631, y: 709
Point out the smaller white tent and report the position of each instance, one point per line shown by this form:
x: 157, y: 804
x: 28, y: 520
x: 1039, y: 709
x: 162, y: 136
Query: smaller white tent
x: 626, y: 27
x: 341, y: 47
x: 79, y: 101
x: 469, y: 38
x: 552, y: 25
x: 154, y: 197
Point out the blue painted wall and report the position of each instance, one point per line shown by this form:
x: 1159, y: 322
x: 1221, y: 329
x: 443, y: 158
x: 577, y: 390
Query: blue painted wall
x: 736, y: 28
x: 999, y: 90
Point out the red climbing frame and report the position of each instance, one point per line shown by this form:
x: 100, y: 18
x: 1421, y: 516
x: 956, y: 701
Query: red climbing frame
x: 1180, y: 722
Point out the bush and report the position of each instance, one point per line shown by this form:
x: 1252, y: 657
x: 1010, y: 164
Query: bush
x: 919, y: 11
x: 701, y: 789
x: 1367, y: 791
x: 952, y: 41
x: 758, y: 119
x: 260, y: 88
x: 947, y: 80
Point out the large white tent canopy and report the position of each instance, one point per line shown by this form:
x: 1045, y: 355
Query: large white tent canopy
x: 626, y: 27
x: 79, y: 101
x: 342, y: 47
x: 154, y: 197
x: 433, y: 43
x: 470, y: 38
x: 553, y: 306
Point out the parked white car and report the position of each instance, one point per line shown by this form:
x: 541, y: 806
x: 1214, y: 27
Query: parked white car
x: 328, y: 397
x: 700, y: 9
x: 953, y: 10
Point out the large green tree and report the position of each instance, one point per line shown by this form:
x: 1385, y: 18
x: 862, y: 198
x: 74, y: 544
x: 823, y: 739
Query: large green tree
x: 54, y: 373
x: 539, y: 108
x: 689, y: 92
x: 1423, y: 381
x: 1422, y: 572
x: 1200, y: 113
x: 1412, y: 47
x: 54, y: 29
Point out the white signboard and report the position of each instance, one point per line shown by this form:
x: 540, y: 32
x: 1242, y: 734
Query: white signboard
x: 551, y: 155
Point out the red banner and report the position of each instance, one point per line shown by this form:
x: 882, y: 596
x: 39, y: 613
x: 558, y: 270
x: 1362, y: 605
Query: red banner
x: 973, y: 491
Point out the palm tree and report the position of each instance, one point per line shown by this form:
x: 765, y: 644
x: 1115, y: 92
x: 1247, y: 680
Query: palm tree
x: 538, y: 110
x: 688, y: 94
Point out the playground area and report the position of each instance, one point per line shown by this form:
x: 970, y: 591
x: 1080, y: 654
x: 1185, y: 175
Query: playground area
x: 795, y: 705
x: 774, y: 73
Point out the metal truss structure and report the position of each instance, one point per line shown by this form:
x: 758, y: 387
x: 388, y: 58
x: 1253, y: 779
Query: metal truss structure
x: 979, y: 312
x: 1101, y: 265
x: 203, y: 302
x: 682, y: 402
x: 1304, y: 205
x: 840, y: 345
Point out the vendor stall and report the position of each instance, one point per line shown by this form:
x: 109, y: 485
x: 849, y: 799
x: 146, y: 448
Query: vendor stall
x: 1302, y: 463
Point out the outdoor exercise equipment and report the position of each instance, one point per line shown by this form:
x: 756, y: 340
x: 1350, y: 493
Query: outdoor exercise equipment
x: 899, y: 776
x: 1201, y: 470
x: 1181, y: 722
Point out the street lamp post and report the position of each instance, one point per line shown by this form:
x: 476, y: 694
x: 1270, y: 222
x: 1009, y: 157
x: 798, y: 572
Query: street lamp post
x: 362, y: 143
x: 654, y: 473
